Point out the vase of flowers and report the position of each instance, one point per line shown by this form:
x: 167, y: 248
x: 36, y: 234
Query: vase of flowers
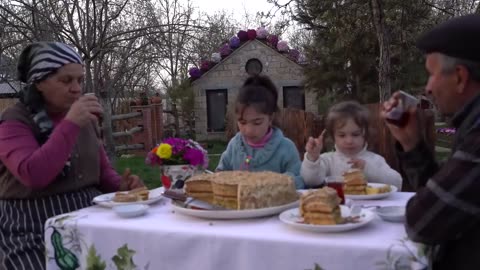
x: 178, y: 159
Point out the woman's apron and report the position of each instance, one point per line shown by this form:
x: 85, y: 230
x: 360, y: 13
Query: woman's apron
x: 22, y: 224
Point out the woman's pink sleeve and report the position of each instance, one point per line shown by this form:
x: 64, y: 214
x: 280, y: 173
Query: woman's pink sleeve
x: 34, y: 165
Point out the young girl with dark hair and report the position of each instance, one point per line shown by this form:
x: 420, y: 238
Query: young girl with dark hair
x: 259, y: 145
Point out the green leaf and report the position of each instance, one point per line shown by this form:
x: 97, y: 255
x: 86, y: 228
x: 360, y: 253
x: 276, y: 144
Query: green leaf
x: 318, y: 267
x: 62, y: 219
x: 94, y: 261
x: 124, y: 258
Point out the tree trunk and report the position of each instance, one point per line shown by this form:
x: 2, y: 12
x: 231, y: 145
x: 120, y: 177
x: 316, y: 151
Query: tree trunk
x: 107, y: 128
x: 384, y: 83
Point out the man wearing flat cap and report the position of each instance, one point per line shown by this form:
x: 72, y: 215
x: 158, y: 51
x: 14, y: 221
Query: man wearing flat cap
x: 444, y: 214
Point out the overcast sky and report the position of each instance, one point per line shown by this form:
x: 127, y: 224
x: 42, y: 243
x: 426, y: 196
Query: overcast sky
x: 252, y: 6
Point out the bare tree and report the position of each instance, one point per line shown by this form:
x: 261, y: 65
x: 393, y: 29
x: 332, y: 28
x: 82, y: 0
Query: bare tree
x: 384, y: 81
x: 114, y: 38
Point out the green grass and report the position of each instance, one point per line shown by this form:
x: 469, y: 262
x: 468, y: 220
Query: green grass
x: 151, y: 175
x: 441, y: 156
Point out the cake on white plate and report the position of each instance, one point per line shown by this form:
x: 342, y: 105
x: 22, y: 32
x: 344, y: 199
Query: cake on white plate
x: 240, y: 190
x: 321, y: 207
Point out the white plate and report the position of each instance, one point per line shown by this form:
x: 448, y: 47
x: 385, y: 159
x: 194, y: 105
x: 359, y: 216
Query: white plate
x: 130, y: 210
x: 293, y: 218
x: 106, y: 200
x: 391, y: 213
x: 393, y: 189
x: 233, y: 214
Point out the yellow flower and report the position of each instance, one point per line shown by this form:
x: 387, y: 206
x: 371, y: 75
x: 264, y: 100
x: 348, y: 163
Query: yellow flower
x: 164, y: 151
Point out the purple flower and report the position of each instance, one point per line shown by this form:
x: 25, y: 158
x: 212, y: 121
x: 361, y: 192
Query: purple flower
x: 178, y: 145
x: 282, y: 46
x: 152, y: 159
x: 194, y: 156
x: 194, y: 72
x: 242, y: 35
x: 234, y: 42
x: 273, y: 40
x: 225, y: 51
x: 205, y: 66
x: 251, y: 34
x: 262, y: 32
x: 293, y: 55
x: 447, y: 131
x: 183, y: 152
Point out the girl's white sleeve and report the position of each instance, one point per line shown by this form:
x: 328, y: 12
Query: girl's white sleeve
x: 313, y: 173
x: 378, y: 171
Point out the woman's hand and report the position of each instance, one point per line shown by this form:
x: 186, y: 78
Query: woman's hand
x: 84, y: 110
x: 130, y: 181
x: 314, y: 147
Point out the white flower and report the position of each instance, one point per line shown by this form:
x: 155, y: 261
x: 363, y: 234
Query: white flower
x: 302, y: 59
x: 262, y: 33
x: 216, y: 57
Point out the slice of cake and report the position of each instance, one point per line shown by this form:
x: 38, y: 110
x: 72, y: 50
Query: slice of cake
x: 200, y: 187
x: 142, y: 193
x: 378, y: 190
x: 354, y: 182
x: 321, y: 207
x: 252, y: 190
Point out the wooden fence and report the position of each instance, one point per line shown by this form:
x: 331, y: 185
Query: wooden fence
x: 139, y: 130
x: 6, y: 102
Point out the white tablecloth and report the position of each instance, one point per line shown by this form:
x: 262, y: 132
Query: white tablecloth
x: 163, y: 239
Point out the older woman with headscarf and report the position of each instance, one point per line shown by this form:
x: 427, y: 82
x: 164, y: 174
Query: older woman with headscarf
x: 51, y: 158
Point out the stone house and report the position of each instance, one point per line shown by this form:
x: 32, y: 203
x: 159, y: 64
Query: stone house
x: 216, y: 89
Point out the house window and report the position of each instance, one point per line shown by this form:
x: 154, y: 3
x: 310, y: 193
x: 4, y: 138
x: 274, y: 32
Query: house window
x: 294, y: 97
x: 253, y: 67
x: 216, y: 109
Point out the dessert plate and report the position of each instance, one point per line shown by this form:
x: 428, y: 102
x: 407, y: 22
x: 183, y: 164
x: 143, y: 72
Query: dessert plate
x: 130, y: 210
x: 232, y: 214
x: 393, y: 189
x: 293, y: 218
x: 106, y: 200
x: 391, y: 213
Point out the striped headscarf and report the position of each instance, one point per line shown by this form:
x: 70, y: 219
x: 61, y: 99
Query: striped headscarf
x: 38, y: 61
x: 41, y: 59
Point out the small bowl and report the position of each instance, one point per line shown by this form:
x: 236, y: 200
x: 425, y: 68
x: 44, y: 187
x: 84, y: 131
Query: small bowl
x: 130, y: 210
x: 392, y: 213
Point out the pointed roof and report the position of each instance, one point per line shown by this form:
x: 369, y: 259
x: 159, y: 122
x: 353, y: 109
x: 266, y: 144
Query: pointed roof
x: 236, y: 43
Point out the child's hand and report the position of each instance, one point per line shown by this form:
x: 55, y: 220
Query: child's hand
x: 130, y: 181
x: 314, y: 147
x: 357, y: 163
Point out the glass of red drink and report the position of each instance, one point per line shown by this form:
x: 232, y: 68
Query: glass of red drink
x: 336, y: 182
x: 399, y: 115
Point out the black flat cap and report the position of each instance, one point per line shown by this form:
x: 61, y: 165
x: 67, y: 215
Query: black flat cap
x: 458, y: 37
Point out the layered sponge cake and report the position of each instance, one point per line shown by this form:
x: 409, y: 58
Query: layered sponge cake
x: 246, y: 190
x: 321, y: 207
x: 200, y: 187
x: 354, y: 182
